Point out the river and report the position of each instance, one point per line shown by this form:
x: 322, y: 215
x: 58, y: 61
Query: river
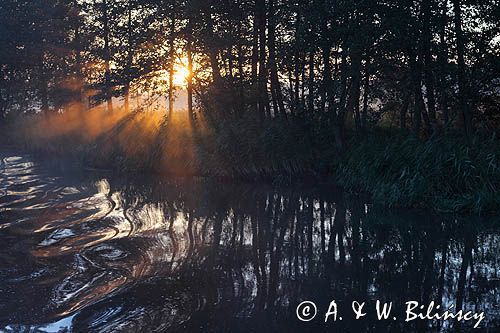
x: 92, y: 251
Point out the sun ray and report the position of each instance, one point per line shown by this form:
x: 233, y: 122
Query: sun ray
x: 181, y: 73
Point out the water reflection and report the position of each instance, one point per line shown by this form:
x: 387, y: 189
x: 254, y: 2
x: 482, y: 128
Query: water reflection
x: 96, y: 253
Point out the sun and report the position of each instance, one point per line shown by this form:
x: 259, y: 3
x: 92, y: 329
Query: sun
x: 181, y: 74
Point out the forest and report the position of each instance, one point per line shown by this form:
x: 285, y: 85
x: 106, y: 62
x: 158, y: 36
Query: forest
x: 399, y: 99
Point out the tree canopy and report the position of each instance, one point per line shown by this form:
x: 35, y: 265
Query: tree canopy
x: 421, y: 65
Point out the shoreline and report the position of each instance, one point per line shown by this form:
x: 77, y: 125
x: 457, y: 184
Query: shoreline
x: 345, y: 180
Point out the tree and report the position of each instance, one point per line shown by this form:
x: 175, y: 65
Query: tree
x: 462, y: 84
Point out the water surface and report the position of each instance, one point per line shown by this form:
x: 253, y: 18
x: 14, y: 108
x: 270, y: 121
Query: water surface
x: 96, y: 252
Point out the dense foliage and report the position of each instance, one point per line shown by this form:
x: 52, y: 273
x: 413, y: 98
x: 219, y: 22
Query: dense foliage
x: 424, y: 64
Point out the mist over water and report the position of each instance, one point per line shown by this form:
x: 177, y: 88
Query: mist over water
x: 96, y: 252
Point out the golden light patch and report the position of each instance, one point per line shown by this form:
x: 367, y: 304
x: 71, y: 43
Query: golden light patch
x: 181, y: 73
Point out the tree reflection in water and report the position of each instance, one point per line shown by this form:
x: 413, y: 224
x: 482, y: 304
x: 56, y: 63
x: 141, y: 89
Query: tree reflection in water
x: 147, y: 255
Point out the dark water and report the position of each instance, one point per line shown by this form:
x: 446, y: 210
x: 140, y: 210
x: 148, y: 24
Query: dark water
x: 94, y: 252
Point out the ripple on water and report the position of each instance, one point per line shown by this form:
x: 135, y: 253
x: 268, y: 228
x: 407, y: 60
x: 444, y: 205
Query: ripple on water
x: 99, y: 255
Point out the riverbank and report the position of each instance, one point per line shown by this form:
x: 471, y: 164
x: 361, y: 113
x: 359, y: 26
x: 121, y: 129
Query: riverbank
x: 442, y: 173
x: 446, y: 174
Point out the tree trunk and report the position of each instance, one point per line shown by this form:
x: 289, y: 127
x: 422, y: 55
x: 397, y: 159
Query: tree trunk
x: 170, y: 91
x: 126, y: 102
x: 107, y: 56
x: 366, y: 87
x: 428, y: 66
x: 418, y: 107
x: 326, y: 48
x: 327, y: 76
x: 443, y: 61
x: 416, y: 76
x: 311, y: 81
x: 404, y: 111
x: 263, y: 99
x: 275, y: 84
x: 241, y: 77
x: 340, y: 107
x: 171, y: 61
x: 230, y: 65
x: 80, y: 76
x: 462, y: 84
x: 130, y: 57
x: 353, y: 103
x: 190, y: 84
x: 303, y: 81
x: 255, y: 62
x: 296, y: 86
x: 212, y: 51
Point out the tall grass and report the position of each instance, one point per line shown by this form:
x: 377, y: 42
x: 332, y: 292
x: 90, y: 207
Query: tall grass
x: 247, y: 148
x: 444, y: 172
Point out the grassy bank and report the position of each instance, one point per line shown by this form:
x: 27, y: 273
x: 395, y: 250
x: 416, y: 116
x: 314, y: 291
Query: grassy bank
x: 444, y: 173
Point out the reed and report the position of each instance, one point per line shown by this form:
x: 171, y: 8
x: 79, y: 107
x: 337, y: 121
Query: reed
x: 443, y: 172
